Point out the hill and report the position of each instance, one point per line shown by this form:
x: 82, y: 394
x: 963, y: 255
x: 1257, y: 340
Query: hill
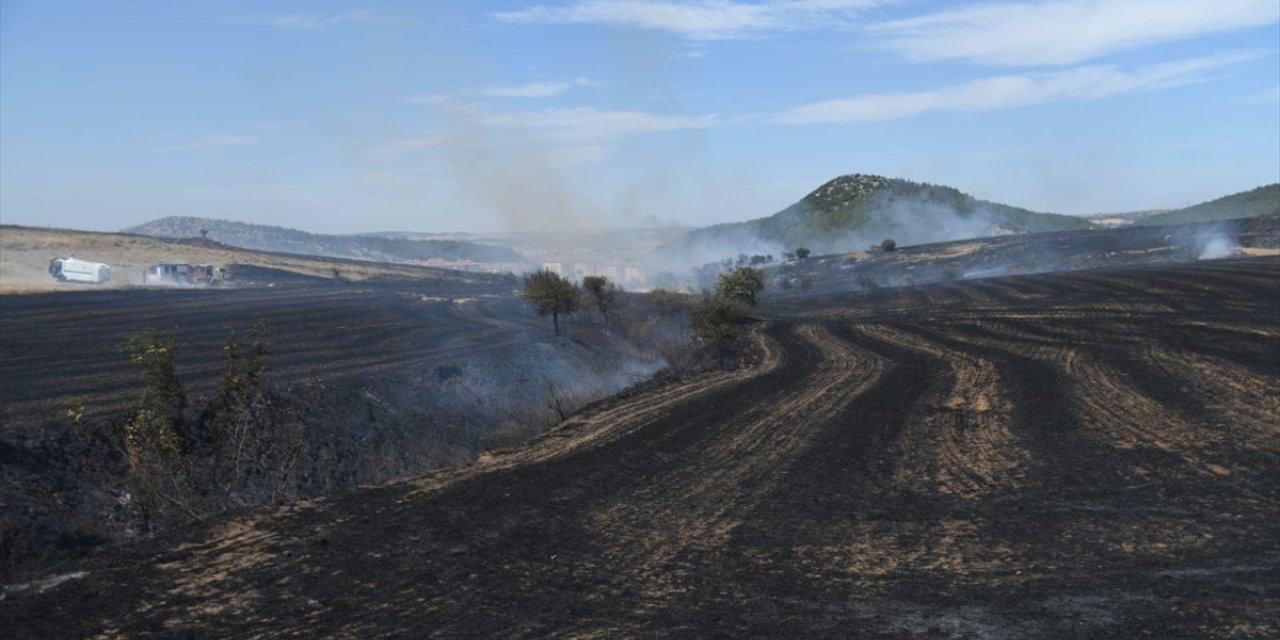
x: 1246, y: 204
x: 364, y: 247
x: 851, y: 211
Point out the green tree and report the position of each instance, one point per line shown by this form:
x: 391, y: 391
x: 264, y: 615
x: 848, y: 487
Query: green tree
x: 741, y: 285
x: 718, y: 321
x: 155, y: 438
x: 888, y: 244
x: 604, y: 295
x: 802, y: 253
x: 668, y: 302
x: 551, y: 294
x: 243, y: 420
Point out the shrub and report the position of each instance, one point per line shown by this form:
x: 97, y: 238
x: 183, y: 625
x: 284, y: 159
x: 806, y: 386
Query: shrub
x: 740, y: 285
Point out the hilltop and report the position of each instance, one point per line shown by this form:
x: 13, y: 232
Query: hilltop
x: 850, y: 211
x: 363, y: 247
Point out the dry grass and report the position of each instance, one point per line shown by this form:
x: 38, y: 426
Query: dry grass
x: 25, y: 253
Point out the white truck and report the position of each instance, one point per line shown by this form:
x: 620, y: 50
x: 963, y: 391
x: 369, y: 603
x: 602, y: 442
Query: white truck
x: 70, y: 269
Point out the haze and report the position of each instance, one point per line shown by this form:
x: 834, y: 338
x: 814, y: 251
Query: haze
x: 347, y: 117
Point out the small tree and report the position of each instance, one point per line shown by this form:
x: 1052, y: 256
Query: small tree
x: 155, y: 437
x: 802, y: 253
x: 888, y: 244
x: 740, y: 285
x: 204, y: 233
x: 718, y: 320
x: 550, y: 293
x: 668, y: 302
x: 259, y: 453
x: 604, y: 295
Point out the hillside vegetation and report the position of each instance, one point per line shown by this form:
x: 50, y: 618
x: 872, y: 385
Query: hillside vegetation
x: 269, y: 238
x: 851, y: 211
x: 1246, y: 204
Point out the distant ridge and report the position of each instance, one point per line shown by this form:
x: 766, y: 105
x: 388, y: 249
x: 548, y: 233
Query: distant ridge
x: 1246, y: 204
x: 363, y: 247
x: 850, y: 211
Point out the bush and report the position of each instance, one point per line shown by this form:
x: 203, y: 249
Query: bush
x: 155, y: 437
x: 740, y: 285
x: 718, y: 321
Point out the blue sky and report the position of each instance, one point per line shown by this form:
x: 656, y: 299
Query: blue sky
x: 489, y: 116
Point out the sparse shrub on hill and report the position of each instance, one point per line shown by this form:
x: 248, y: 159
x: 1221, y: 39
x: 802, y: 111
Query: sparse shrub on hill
x: 743, y: 285
x: 551, y: 294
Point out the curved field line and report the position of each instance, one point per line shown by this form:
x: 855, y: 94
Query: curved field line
x: 611, y: 420
x: 704, y: 500
x: 1115, y: 412
x: 1248, y: 404
x: 960, y: 442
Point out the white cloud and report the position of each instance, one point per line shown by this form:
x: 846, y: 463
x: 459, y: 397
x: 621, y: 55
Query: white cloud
x: 307, y: 21
x: 1003, y: 92
x: 1063, y: 32
x: 210, y: 142
x: 700, y: 20
x: 534, y: 89
x: 1263, y: 97
x: 587, y: 124
x: 429, y: 98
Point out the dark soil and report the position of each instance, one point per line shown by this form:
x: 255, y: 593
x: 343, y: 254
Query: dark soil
x: 1089, y: 455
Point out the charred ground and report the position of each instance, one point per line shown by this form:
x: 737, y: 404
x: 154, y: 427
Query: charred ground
x: 394, y: 376
x: 1072, y: 455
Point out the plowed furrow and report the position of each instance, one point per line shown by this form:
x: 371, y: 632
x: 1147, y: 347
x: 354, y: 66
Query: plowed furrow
x: 1114, y: 412
x: 701, y: 502
x: 1245, y: 405
x: 958, y: 441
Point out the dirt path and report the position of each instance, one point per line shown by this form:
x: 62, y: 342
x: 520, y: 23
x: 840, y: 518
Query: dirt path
x: 1050, y: 456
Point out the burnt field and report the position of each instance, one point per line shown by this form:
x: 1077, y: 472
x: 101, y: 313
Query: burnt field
x: 397, y: 377
x: 1093, y: 454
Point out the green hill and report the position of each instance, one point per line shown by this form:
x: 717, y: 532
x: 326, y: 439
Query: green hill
x: 852, y: 211
x: 269, y: 238
x: 1246, y: 204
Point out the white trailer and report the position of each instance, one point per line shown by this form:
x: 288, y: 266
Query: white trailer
x: 70, y: 269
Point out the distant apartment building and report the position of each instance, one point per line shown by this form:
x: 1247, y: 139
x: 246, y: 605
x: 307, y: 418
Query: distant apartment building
x: 632, y: 276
